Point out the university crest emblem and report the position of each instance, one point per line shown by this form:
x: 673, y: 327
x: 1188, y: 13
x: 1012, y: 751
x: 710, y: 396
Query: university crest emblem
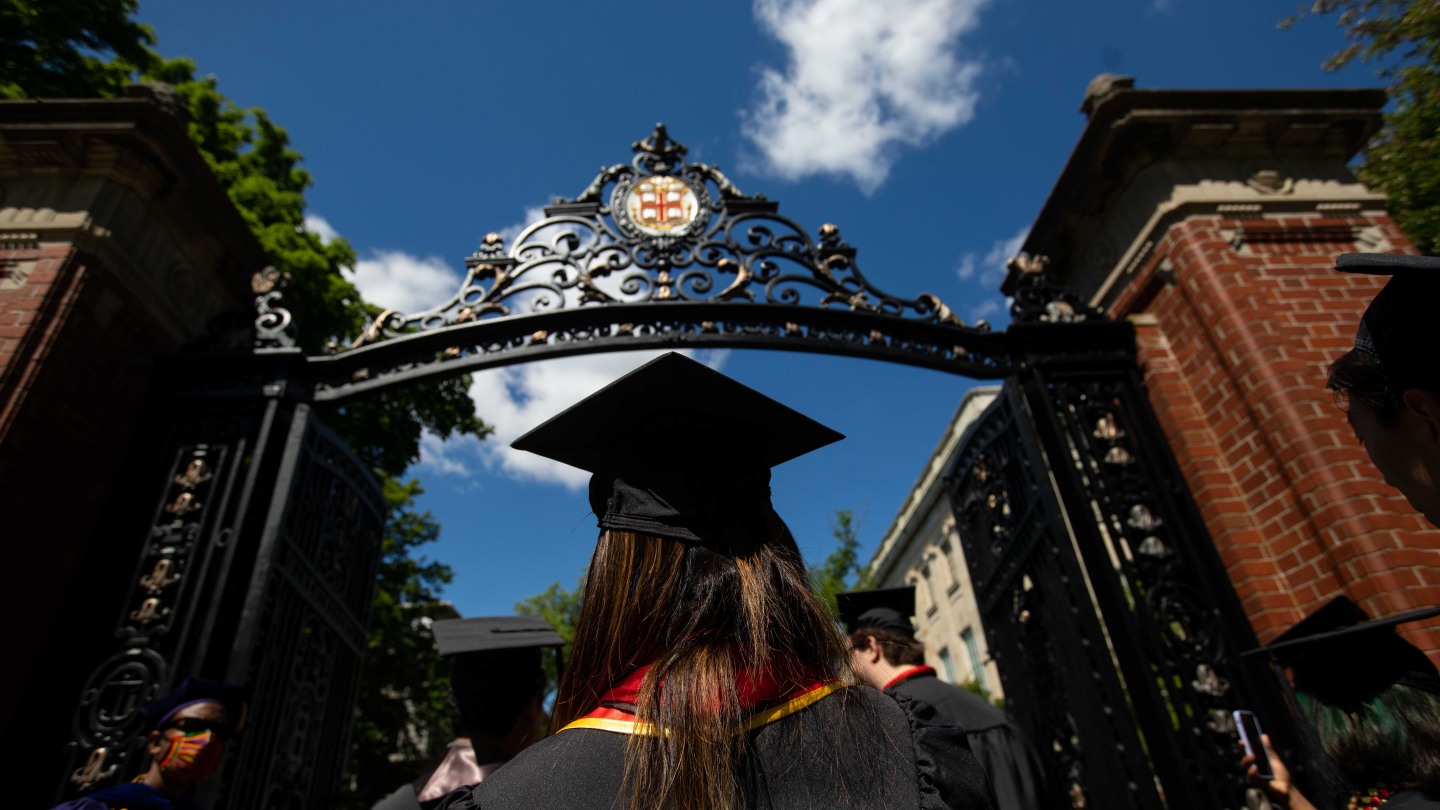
x: 661, y: 205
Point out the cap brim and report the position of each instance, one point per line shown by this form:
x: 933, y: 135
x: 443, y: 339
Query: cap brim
x: 1385, y: 264
x: 490, y: 633
x: 670, y: 398
x: 853, y: 604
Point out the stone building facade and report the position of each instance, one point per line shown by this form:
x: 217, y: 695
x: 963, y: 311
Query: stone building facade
x: 1211, y: 220
x: 921, y: 548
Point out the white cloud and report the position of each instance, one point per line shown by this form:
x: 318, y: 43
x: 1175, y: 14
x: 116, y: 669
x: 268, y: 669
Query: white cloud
x: 986, y: 308
x: 990, y: 268
x: 864, y: 78
x: 968, y: 265
x: 515, y: 399
x: 396, y: 280
x: 445, y: 458
x: 510, y: 233
x: 320, y: 227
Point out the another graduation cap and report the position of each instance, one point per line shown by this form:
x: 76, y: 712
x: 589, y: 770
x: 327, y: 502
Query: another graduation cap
x: 494, y: 655
x: 1340, y: 655
x: 191, y: 691
x: 491, y: 633
x: 883, y: 609
x: 1398, y: 328
x: 677, y: 449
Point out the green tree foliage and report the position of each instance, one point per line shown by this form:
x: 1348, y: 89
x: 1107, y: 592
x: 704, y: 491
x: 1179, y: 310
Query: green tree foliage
x: 404, y: 720
x: 561, y: 608
x: 841, y: 570
x: 71, y: 48
x: 1403, y: 36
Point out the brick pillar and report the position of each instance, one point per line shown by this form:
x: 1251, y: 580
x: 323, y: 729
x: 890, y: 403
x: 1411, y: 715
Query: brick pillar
x: 1212, y: 220
x: 117, y: 245
x: 1235, y: 349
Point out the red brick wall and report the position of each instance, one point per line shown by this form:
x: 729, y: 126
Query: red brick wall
x: 76, y: 354
x: 1235, y: 358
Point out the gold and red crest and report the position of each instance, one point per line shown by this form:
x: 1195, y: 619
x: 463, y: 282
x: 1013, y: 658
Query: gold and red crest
x: 661, y: 205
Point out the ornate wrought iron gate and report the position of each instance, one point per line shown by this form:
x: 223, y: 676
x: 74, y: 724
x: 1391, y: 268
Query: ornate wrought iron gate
x: 1114, y: 626
x: 258, y: 568
x: 1112, y: 619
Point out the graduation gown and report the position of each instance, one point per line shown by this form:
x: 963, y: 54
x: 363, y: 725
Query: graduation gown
x: 128, y: 796
x: 853, y: 748
x: 997, y: 742
x: 1411, y: 800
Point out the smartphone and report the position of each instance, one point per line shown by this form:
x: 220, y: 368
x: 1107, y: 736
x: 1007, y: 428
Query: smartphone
x: 1250, y: 732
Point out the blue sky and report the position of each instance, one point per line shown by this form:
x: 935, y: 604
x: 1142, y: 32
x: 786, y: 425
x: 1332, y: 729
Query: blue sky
x: 929, y: 131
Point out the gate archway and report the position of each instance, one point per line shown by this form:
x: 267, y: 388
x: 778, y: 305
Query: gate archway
x: 1114, y: 625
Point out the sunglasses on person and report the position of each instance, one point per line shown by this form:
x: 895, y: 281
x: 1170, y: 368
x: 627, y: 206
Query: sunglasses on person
x: 196, y: 725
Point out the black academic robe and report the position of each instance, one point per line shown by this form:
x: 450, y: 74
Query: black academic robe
x: 856, y: 748
x: 1006, y: 756
x: 1411, y: 800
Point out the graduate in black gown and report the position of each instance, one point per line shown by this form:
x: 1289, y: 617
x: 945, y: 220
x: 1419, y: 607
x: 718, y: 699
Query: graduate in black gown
x: 704, y: 673
x: 885, y: 653
x: 497, y: 683
x: 1369, y: 706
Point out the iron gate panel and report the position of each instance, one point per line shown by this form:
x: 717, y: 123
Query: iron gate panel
x: 1116, y: 603
x: 302, y: 634
x: 166, y: 626
x: 1038, y: 613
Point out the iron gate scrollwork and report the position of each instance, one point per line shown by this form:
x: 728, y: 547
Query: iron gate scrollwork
x: 301, y: 636
x: 1113, y: 623
x: 1103, y: 599
x: 258, y: 569
x: 1039, y: 619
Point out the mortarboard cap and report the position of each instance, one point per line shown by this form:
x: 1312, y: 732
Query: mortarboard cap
x: 1398, y: 328
x: 491, y: 633
x: 194, y: 690
x: 883, y: 608
x: 676, y: 449
x: 1340, y: 655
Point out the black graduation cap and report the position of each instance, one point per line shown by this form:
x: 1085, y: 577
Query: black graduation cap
x: 491, y: 633
x: 194, y: 690
x: 494, y: 656
x: 1340, y: 655
x: 882, y: 608
x: 677, y: 449
x: 1398, y: 326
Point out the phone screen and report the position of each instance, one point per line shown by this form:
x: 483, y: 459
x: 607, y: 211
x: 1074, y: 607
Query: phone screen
x: 1249, y: 728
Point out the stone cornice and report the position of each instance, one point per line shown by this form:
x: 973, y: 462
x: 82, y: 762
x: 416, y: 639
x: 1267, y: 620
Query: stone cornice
x: 1240, y: 136
x: 120, y: 180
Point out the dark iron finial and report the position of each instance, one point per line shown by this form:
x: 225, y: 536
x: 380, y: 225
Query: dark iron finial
x: 661, y: 147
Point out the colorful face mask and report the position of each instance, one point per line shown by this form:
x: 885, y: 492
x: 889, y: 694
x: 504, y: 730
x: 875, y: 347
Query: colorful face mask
x: 191, y: 758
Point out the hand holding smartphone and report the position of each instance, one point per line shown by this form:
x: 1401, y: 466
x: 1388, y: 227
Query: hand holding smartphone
x: 1250, y: 732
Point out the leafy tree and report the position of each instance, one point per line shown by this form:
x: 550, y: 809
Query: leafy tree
x: 1403, y: 36
x: 71, y: 48
x: 404, y: 721
x: 561, y: 608
x: 841, y: 570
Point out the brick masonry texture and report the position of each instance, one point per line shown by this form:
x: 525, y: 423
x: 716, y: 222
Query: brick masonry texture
x: 1235, y: 359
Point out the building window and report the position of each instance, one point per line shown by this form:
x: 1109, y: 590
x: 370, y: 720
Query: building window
x: 948, y: 551
x: 929, y: 590
x: 947, y: 665
x: 977, y: 671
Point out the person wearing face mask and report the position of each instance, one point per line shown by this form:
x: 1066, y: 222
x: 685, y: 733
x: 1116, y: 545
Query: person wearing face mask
x: 189, y: 729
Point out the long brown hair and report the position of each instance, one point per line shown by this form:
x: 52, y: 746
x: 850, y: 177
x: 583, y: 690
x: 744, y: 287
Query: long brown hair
x: 698, y: 616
